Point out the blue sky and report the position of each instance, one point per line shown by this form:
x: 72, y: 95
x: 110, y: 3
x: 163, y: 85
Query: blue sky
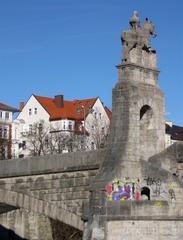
x: 50, y: 47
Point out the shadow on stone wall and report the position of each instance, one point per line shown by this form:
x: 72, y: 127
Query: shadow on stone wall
x: 6, y: 234
x: 62, y: 231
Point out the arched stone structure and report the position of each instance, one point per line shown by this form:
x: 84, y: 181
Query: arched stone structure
x: 48, y: 209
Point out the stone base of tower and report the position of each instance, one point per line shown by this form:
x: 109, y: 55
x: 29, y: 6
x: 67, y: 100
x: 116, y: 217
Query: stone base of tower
x: 154, y: 213
x: 130, y: 220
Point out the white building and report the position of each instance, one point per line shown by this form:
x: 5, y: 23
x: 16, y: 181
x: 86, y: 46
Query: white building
x: 173, y: 133
x: 86, y: 118
x: 6, y: 118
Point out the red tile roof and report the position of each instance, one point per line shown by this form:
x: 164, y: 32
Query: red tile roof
x: 70, y: 110
x: 7, y: 108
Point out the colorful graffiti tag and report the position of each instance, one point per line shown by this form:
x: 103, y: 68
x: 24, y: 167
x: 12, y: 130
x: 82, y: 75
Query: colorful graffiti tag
x: 148, y: 188
x: 122, y: 189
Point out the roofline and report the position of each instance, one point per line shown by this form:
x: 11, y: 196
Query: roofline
x: 13, y: 110
x: 9, y: 108
x: 40, y: 103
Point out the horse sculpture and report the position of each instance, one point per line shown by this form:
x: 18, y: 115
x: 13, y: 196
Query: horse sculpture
x: 137, y: 36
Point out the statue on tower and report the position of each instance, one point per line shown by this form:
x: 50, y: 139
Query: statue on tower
x: 138, y: 36
x: 134, y: 21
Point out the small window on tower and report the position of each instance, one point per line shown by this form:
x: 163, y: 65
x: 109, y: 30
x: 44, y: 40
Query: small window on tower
x: 35, y: 111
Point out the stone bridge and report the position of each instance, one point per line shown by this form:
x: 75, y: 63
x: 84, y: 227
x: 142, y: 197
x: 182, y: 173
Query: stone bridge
x: 53, y: 186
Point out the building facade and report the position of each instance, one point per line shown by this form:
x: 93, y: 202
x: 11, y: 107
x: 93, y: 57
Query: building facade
x: 173, y: 133
x: 6, y: 119
x: 54, y: 125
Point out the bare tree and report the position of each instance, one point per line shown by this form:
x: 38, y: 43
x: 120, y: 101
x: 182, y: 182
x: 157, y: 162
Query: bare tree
x: 38, y: 139
x: 3, y: 148
x: 98, y: 132
x: 43, y: 139
x: 60, y: 141
x: 5, y: 142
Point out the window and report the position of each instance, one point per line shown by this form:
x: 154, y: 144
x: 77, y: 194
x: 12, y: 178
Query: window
x: 30, y: 111
x: 30, y: 128
x: 24, y: 145
x: 70, y: 125
x: 35, y: 111
x: 7, y: 115
x: 46, y: 142
x: 145, y: 110
x: 102, y: 131
x: 5, y: 133
x: 92, y: 146
x: 40, y: 127
x: 64, y: 126
x: 1, y: 114
x: 95, y: 114
x: 100, y: 115
x: 1, y: 132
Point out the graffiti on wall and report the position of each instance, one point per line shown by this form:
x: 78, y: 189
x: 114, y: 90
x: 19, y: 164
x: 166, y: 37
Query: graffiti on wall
x: 148, y: 188
x: 123, y: 189
x: 155, y: 184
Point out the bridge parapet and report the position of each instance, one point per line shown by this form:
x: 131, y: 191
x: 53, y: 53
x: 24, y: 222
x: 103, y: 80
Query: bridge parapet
x: 77, y: 161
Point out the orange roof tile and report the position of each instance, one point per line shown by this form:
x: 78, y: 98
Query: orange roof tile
x: 7, y: 108
x: 70, y: 110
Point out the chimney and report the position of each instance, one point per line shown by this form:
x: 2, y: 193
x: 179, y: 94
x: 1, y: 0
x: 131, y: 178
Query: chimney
x: 59, y: 100
x: 21, y: 105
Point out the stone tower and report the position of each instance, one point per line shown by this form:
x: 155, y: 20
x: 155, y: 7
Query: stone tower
x: 134, y: 189
x: 138, y: 126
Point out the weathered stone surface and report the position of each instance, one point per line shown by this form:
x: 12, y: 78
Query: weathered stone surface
x: 144, y: 230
